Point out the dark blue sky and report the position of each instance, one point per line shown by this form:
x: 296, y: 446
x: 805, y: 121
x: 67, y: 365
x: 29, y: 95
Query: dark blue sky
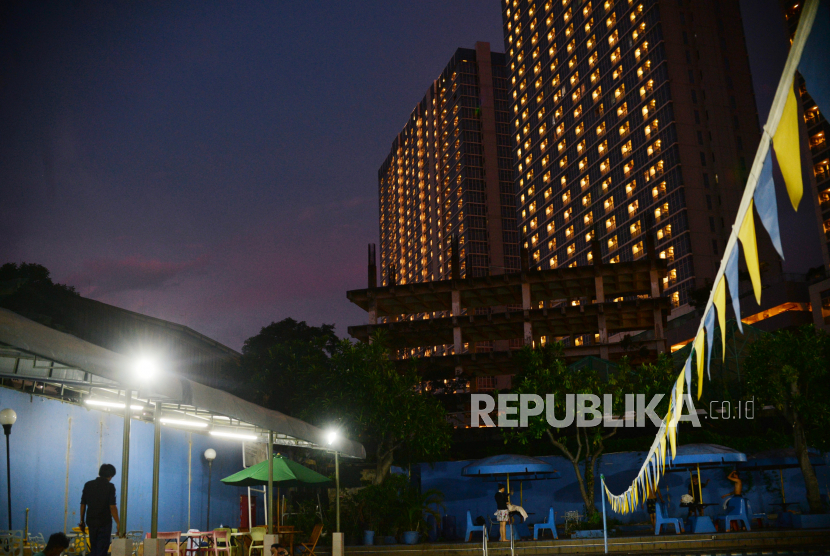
x: 215, y: 164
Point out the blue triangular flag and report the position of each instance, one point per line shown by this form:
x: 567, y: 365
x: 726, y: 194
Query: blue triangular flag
x: 731, y: 274
x: 766, y: 205
x: 709, y: 325
x: 814, y: 65
x: 688, y: 371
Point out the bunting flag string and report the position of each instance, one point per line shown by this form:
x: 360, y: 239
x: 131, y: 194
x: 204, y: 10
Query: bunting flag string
x: 781, y: 140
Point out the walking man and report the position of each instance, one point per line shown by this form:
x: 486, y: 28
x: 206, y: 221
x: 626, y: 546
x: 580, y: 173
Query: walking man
x: 98, y: 509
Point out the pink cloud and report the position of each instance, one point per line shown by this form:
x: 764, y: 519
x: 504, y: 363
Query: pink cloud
x: 134, y: 273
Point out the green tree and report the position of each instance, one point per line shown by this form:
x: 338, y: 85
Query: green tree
x: 544, y: 372
x: 789, y: 371
x: 28, y: 290
x: 384, y: 407
x: 273, y: 360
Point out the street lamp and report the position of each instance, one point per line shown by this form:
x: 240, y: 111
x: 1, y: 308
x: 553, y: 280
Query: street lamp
x: 331, y: 438
x: 210, y: 455
x: 7, y: 419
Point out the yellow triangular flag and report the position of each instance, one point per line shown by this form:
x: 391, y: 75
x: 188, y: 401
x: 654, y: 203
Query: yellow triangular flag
x: 747, y: 236
x: 787, y: 149
x: 699, y: 355
x: 720, y: 305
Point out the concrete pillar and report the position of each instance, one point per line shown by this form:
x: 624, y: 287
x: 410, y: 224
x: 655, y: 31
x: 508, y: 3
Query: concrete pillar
x: 152, y: 547
x: 526, y: 307
x: 373, y: 311
x: 337, y: 544
x: 456, y: 330
x: 123, y: 547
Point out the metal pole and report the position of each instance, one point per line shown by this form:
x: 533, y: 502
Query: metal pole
x: 337, y: 485
x: 269, y: 519
x: 154, y: 521
x: 210, y: 477
x: 125, y: 463
x: 9, y: 476
x: 604, y: 524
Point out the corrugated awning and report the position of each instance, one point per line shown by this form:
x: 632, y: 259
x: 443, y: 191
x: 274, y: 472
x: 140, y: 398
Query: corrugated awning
x: 112, y: 372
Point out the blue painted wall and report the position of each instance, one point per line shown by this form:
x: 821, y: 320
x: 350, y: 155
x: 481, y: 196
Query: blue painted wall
x: 56, y: 447
x: 476, y: 495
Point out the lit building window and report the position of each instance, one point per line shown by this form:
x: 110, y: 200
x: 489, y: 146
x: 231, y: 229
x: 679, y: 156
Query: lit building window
x: 613, y: 38
x: 612, y: 243
x: 647, y: 88
x: 571, y: 249
x: 609, y: 204
x: 611, y: 224
x: 622, y: 110
x: 597, y: 94
x: 661, y: 212
x: 586, y: 200
x: 626, y: 149
x: 566, y: 197
x: 584, y: 182
x: 602, y: 147
x: 630, y: 188
x: 635, y: 229
x: 615, y: 56
x: 594, y: 75
x: 611, y: 21
x: 624, y: 129
x: 560, y: 129
x: 668, y: 254
x: 553, y: 262
x: 654, y: 148
x: 637, y: 249
x: 579, y: 129
x: 664, y: 232
x: 606, y: 183
x: 617, y: 73
x: 592, y: 40
x: 578, y: 112
x: 600, y: 129
x: 589, y: 218
x: 632, y: 208
x: 562, y: 144
x: 569, y: 232
x: 605, y: 165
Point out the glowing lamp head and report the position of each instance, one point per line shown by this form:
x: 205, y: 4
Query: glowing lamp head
x: 210, y: 454
x: 145, y: 369
x: 331, y: 437
x: 7, y: 419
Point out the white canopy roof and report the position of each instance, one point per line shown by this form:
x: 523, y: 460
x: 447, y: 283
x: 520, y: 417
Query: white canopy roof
x: 103, y: 374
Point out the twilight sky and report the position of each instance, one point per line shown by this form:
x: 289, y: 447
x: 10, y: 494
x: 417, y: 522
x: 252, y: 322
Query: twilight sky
x: 215, y: 164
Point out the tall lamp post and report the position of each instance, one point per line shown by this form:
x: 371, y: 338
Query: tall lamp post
x: 332, y: 440
x: 7, y: 419
x: 210, y: 455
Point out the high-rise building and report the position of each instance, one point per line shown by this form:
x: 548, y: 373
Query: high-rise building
x: 629, y: 117
x: 816, y: 128
x: 449, y: 172
x: 815, y: 171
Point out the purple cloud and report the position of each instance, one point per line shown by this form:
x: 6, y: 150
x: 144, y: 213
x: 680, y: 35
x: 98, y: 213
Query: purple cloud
x: 134, y: 273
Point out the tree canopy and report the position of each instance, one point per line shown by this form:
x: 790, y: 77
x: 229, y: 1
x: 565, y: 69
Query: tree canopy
x: 362, y: 391
x: 274, y: 359
x: 544, y: 372
x: 788, y: 370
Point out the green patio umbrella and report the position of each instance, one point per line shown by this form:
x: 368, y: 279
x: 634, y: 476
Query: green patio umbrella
x: 287, y: 473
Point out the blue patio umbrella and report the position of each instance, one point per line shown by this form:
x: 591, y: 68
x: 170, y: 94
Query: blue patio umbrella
x: 703, y: 455
x: 781, y: 459
x: 524, y: 468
